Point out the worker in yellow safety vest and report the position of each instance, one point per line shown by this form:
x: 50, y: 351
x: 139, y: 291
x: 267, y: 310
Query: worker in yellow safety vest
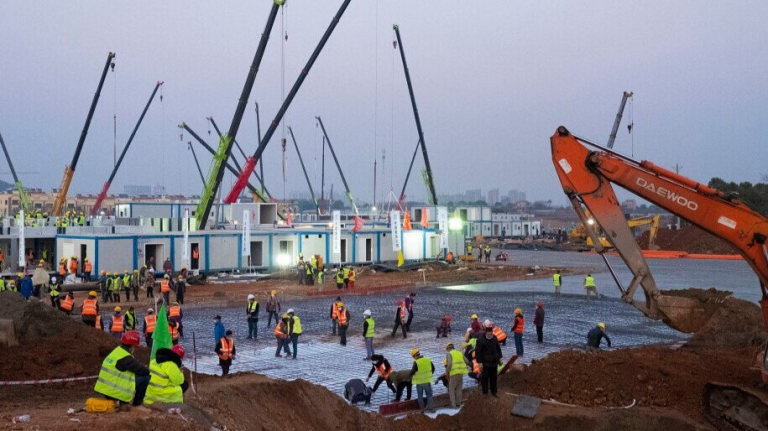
x: 421, y: 376
x: 456, y: 367
x: 166, y: 382
x: 123, y: 377
x: 557, y: 281
x: 589, y: 285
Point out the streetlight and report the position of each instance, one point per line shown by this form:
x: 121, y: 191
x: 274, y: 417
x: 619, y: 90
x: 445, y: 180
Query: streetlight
x: 455, y: 224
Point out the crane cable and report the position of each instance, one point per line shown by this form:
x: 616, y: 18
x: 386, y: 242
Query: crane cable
x: 284, y: 32
x: 631, y: 124
x: 114, y: 118
x: 376, y: 102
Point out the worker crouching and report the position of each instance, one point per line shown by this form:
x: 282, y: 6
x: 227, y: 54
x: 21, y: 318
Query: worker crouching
x: 166, y: 384
x: 123, y: 377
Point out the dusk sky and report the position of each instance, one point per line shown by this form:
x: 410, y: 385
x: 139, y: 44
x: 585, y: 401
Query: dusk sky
x: 492, y: 79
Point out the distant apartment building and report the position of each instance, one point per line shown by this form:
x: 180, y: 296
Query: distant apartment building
x: 134, y: 190
x: 516, y: 196
x: 493, y: 197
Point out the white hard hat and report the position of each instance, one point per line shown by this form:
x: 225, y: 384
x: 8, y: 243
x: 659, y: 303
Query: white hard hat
x: 251, y: 297
x: 487, y: 322
x: 290, y: 310
x: 53, y: 279
x: 367, y: 313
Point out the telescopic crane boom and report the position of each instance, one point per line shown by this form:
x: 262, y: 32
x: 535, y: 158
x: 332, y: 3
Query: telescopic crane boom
x: 105, y: 189
x: 251, y: 163
x: 216, y: 173
x: 23, y: 198
x: 303, y: 168
x: 617, y: 122
x: 586, y: 177
x: 428, y: 174
x: 338, y: 166
x: 197, y: 163
x: 69, y: 171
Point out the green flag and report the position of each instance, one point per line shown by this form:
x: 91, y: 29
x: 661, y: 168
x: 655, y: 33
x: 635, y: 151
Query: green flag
x: 161, y: 338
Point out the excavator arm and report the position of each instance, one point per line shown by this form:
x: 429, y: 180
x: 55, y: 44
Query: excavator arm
x: 586, y: 176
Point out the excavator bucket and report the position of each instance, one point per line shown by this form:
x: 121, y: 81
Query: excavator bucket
x: 685, y: 314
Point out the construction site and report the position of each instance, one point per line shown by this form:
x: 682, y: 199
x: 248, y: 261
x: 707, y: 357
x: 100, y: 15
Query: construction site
x: 629, y: 292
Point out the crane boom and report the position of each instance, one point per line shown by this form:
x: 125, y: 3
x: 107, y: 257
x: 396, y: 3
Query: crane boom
x: 239, y: 185
x: 197, y: 163
x: 429, y: 178
x: 105, y: 189
x: 23, y: 197
x: 216, y: 173
x: 338, y: 166
x: 586, y: 177
x: 617, y: 122
x: 303, y: 168
x: 69, y: 171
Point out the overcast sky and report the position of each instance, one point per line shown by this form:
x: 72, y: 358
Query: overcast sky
x: 492, y: 81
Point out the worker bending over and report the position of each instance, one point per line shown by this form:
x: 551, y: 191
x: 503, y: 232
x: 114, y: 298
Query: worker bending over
x: 595, y: 336
x: 383, y: 369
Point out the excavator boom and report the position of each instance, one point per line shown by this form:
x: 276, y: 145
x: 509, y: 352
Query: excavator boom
x: 586, y: 176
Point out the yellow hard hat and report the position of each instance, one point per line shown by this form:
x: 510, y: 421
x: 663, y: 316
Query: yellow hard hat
x: 445, y: 362
x: 474, y: 316
x: 415, y: 352
x: 42, y: 261
x: 74, y: 257
x: 339, y: 304
x: 601, y: 325
x: 126, y: 272
x: 135, y: 271
x: 118, y: 309
x: 448, y: 344
x: 518, y: 311
x: 285, y: 315
x: 21, y: 274
x: 85, y: 258
x: 92, y: 293
x: 274, y: 292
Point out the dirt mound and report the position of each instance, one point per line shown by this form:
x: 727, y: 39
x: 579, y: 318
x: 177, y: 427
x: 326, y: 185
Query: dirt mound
x: 703, y: 295
x: 52, y: 345
x: 651, y: 376
x: 735, y: 323
x: 689, y: 239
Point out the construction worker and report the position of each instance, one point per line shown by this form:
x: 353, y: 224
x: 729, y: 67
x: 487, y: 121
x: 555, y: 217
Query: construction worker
x: 103, y: 287
x: 273, y: 308
x: 456, y: 366
x: 444, y: 327
x: 2, y: 258
x: 126, y: 282
x: 149, y: 283
x: 130, y: 321
x: 498, y: 333
x: 469, y: 248
x: 340, y: 278
x: 369, y: 330
x: 81, y: 219
x: 517, y: 329
x: 335, y: 314
x: 90, y: 310
x: 557, y: 281
x: 400, y: 319
x: 252, y: 313
x: 173, y: 329
x: 488, y: 355
x: 480, y: 253
x: 150, y: 322
x: 117, y: 325
x: 294, y: 330
x: 401, y: 380
x: 380, y: 365
x: 487, y: 253
x: 123, y: 377
x: 309, y: 276
x: 301, y: 269
x: 313, y: 265
x: 345, y: 272
x: 589, y: 285
x: 2, y: 285
x: 73, y: 265
x: 26, y: 285
x: 196, y: 257
x: 165, y: 288
x: 181, y: 285
x: 166, y: 383
x: 87, y: 268
x: 55, y: 300
x: 409, y: 300
x: 595, y: 336
x: 281, y: 335
x: 135, y: 281
x: 476, y: 373
x: 168, y: 266
x: 538, y: 321
x: 476, y: 329
x: 343, y: 324
x: 421, y: 376
x: 449, y: 257
x: 68, y: 304
x: 63, y: 267
x: 320, y: 276
x: 225, y: 348
x: 352, y: 277
x: 115, y: 287
x: 175, y: 314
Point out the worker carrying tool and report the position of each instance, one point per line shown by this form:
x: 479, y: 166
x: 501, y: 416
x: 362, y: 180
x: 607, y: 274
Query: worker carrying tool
x: 381, y: 366
x: 400, y: 319
x: 369, y: 330
x: 335, y: 314
x: 123, y: 377
x: 90, y: 310
x: 557, y: 281
x: 166, y: 383
x: 252, y: 314
x: 589, y: 285
x: 225, y: 348
x: 595, y: 336
x: 421, y: 376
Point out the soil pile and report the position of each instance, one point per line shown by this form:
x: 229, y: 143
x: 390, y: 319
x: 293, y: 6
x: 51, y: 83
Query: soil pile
x: 735, y: 323
x: 51, y: 344
x: 689, y: 239
x: 650, y: 376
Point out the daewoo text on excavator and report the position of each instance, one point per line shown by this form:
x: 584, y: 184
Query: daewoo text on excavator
x: 586, y: 175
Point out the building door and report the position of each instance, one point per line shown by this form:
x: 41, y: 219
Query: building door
x: 369, y: 249
x: 155, y: 256
x: 343, y: 251
x: 194, y: 253
x: 257, y: 253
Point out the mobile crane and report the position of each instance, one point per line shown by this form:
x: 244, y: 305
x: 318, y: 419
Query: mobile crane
x: 586, y: 176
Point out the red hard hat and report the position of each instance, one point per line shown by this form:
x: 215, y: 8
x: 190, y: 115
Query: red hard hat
x: 400, y: 302
x: 447, y: 317
x: 131, y: 338
x: 179, y: 350
x: 540, y: 304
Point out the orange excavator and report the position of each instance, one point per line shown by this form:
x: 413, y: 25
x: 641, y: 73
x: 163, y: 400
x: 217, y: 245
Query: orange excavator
x: 586, y: 175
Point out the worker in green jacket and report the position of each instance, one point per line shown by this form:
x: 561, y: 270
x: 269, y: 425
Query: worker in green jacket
x: 421, y: 376
x: 166, y: 384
